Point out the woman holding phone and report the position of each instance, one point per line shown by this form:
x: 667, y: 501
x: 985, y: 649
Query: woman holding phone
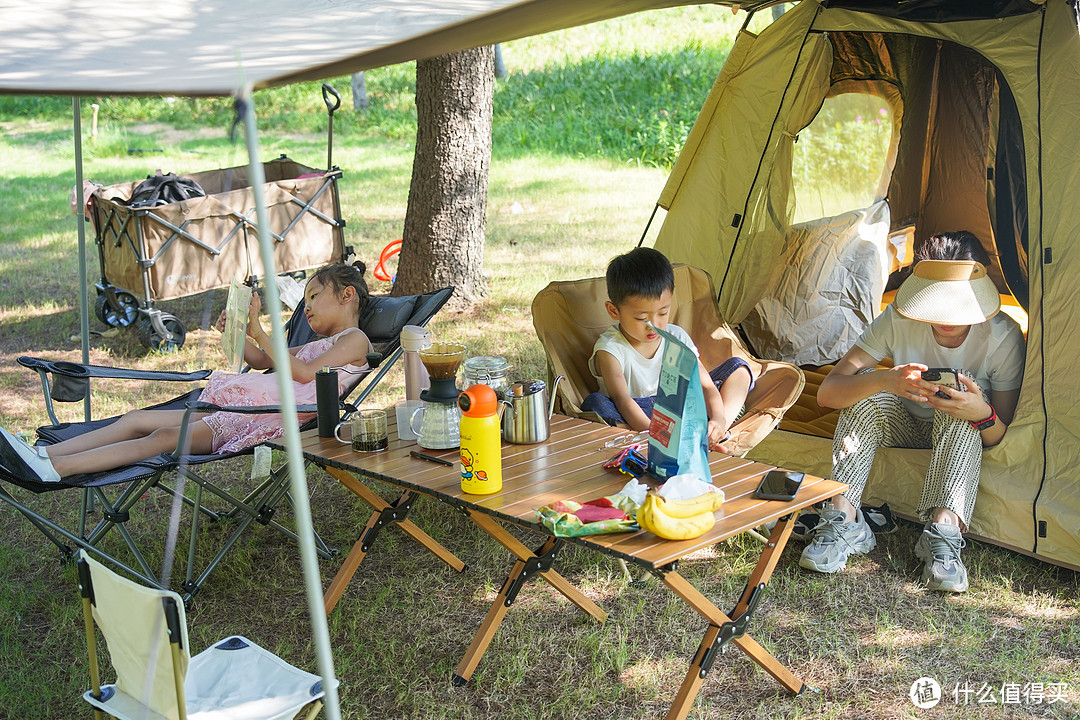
x: 946, y: 316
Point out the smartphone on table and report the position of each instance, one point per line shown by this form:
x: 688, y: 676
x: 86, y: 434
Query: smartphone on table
x: 943, y: 376
x: 779, y: 485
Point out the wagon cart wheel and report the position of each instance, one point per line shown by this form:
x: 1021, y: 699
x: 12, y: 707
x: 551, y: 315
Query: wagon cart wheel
x: 125, y: 316
x: 152, y: 339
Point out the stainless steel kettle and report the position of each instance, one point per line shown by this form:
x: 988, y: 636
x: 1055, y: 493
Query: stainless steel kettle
x: 527, y: 412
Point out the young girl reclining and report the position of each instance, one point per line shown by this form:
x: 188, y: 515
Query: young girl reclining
x: 335, y: 297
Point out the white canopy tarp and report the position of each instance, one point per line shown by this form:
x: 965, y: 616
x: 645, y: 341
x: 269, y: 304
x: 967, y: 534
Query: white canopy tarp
x: 195, y: 47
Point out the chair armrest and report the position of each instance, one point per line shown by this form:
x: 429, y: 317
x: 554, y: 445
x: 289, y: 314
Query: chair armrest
x: 777, y: 389
x: 72, y: 380
x: 246, y: 409
x: 79, y: 370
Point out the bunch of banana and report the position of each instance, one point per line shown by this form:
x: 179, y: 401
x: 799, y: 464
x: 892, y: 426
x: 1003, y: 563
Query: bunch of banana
x: 679, y: 519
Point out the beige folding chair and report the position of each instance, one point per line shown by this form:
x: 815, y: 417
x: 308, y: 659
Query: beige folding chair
x: 569, y: 316
x: 156, y: 679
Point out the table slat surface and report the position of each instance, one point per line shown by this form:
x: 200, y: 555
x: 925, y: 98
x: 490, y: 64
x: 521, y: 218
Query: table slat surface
x: 568, y: 467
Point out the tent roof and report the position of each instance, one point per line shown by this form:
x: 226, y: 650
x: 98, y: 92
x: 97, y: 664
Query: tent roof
x: 189, y: 47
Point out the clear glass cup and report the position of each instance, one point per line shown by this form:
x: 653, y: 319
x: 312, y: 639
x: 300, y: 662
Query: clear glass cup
x: 368, y: 431
x: 404, y: 411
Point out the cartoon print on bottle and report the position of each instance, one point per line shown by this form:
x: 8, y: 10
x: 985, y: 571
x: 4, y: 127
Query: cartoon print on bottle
x: 467, y: 467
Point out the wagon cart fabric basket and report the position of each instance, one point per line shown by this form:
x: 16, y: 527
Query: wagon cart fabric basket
x: 174, y: 250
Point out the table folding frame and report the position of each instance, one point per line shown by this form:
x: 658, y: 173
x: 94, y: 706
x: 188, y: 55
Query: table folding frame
x: 567, y: 467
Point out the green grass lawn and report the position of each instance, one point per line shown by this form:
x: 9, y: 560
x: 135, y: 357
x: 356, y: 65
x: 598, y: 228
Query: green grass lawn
x: 585, y: 127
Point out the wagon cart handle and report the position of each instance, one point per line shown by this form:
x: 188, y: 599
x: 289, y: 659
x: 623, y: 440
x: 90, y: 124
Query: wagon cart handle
x: 327, y: 91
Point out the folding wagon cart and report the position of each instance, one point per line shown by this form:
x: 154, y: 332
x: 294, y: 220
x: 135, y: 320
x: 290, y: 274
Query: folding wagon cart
x: 162, y: 252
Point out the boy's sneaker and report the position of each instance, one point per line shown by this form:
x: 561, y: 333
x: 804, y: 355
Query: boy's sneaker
x: 834, y: 540
x: 803, y: 528
x: 879, y: 518
x: 939, y: 548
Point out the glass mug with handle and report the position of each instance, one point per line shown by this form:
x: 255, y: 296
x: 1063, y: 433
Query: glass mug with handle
x: 368, y: 431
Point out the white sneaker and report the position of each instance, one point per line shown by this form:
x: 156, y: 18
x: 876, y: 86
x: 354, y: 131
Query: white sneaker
x: 23, y: 459
x: 835, y: 539
x: 939, y: 548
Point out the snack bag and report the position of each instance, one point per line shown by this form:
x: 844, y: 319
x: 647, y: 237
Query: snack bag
x: 678, y: 435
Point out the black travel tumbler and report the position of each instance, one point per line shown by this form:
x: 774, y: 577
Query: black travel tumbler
x: 326, y: 398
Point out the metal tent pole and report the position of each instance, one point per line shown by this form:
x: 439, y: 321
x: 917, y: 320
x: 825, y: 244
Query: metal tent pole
x: 84, y: 303
x: 297, y: 479
x: 87, y: 504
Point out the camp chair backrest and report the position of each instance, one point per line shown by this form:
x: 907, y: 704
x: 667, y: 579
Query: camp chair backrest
x: 233, y: 678
x: 132, y: 620
x: 694, y: 310
x: 569, y: 316
x: 382, y: 320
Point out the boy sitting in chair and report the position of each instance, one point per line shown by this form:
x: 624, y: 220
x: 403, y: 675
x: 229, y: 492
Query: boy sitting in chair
x: 626, y: 358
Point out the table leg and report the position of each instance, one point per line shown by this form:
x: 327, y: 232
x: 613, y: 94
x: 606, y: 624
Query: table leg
x: 721, y: 627
x: 348, y: 568
x: 479, y: 645
x: 527, y: 561
x: 359, y: 549
x: 557, y: 581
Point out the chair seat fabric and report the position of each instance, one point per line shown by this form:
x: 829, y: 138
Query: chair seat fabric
x: 235, y: 679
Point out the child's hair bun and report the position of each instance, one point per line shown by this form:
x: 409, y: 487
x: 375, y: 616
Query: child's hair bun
x: 360, y: 267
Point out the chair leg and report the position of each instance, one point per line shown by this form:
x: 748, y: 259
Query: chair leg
x: 314, y: 708
x: 91, y: 649
x: 757, y: 536
x: 645, y: 575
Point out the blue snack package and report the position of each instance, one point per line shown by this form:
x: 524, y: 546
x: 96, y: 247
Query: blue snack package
x: 679, y: 431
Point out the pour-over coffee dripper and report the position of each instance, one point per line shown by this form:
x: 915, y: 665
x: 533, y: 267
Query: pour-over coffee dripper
x: 440, y: 428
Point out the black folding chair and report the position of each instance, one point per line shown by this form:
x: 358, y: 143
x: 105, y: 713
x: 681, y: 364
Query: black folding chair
x: 118, y: 491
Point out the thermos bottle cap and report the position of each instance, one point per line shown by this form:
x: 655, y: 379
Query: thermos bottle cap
x: 478, y: 401
x: 415, y: 338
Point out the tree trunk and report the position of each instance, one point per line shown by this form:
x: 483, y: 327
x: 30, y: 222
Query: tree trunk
x: 443, y: 240
x: 359, y: 92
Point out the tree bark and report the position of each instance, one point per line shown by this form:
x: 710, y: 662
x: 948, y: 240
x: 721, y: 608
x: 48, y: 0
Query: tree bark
x: 359, y: 92
x: 443, y: 239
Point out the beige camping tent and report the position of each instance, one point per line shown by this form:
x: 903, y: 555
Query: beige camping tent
x: 981, y: 100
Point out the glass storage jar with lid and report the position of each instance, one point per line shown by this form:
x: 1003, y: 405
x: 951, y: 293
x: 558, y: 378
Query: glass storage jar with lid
x: 490, y: 370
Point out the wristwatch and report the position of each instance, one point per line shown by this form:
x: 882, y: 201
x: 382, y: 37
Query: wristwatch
x: 981, y: 425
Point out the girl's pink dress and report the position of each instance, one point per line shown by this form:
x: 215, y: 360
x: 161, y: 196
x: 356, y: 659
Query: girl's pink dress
x: 234, y: 432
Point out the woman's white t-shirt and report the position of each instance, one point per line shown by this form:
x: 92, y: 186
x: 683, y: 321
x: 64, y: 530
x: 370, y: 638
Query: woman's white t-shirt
x: 992, y: 353
x: 642, y: 374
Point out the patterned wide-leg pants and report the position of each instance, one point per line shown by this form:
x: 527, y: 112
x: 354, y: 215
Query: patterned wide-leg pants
x: 881, y: 420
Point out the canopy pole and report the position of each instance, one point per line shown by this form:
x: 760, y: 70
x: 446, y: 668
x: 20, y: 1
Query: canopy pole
x: 280, y: 354
x: 80, y: 221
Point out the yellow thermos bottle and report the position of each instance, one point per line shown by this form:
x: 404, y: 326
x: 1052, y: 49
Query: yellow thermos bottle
x: 481, y: 444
